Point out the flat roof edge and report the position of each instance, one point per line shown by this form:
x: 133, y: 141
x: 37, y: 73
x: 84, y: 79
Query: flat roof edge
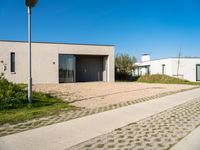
x: 57, y: 43
x: 187, y: 57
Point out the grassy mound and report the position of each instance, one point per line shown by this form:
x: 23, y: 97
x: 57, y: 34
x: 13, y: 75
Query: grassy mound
x: 158, y: 78
x: 14, y: 106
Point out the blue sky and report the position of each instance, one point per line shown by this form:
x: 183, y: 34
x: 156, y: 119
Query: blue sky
x: 158, y: 27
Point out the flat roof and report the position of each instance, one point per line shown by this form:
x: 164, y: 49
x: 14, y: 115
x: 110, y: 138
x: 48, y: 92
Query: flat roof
x: 184, y: 57
x: 57, y: 43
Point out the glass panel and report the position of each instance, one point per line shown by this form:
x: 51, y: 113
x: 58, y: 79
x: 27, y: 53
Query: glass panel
x: 66, y: 68
x: 198, y: 72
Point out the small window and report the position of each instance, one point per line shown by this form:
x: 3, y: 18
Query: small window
x: 148, y: 70
x: 198, y: 72
x: 12, y: 62
x: 163, y: 68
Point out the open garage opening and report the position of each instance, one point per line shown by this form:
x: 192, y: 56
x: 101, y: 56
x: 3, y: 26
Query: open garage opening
x: 82, y: 68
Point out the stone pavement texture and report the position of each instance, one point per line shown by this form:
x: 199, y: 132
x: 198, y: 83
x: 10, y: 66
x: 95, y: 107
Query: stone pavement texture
x: 181, y: 120
x: 158, y: 132
x: 100, y: 94
x: 68, y: 115
x: 190, y: 142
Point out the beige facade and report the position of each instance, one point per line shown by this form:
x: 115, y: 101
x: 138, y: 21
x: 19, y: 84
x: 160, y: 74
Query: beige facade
x: 45, y: 60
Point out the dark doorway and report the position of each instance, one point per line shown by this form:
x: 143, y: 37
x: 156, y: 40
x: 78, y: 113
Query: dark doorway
x: 89, y: 68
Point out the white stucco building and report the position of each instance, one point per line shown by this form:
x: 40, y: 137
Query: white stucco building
x: 184, y: 67
x: 57, y: 62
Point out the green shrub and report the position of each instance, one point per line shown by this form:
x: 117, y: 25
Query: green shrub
x: 15, y: 96
x: 125, y: 77
x: 14, y: 106
x: 124, y: 65
x: 11, y: 95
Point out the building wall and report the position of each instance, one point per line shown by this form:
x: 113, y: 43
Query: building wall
x: 187, y: 67
x: 156, y: 67
x: 45, y: 59
x: 105, y: 68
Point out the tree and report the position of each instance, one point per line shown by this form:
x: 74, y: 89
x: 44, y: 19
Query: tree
x: 124, y: 66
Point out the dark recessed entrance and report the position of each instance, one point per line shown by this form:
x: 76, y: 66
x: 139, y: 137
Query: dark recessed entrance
x: 89, y: 68
x: 80, y: 68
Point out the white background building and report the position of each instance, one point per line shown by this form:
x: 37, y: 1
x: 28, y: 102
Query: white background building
x: 184, y: 67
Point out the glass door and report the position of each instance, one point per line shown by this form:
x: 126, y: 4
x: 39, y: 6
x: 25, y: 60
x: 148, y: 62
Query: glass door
x: 198, y: 72
x: 66, y: 68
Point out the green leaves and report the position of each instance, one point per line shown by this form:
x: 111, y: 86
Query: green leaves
x: 14, y: 106
x: 124, y: 65
x: 14, y: 96
x: 11, y: 95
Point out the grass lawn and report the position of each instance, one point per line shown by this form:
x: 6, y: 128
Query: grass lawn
x: 43, y: 105
x: 14, y: 106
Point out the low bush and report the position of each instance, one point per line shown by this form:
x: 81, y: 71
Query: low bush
x: 125, y: 77
x: 11, y: 95
x: 14, y: 106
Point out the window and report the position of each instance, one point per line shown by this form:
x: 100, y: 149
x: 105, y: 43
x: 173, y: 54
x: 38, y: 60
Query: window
x: 198, y: 72
x: 66, y: 68
x: 147, y: 69
x: 163, y: 68
x: 12, y: 62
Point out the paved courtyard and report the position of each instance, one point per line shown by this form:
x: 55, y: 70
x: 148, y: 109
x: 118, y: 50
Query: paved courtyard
x: 100, y: 94
x: 111, y: 104
x: 155, y: 124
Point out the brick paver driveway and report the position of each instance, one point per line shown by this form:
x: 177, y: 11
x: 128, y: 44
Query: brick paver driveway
x: 100, y: 94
